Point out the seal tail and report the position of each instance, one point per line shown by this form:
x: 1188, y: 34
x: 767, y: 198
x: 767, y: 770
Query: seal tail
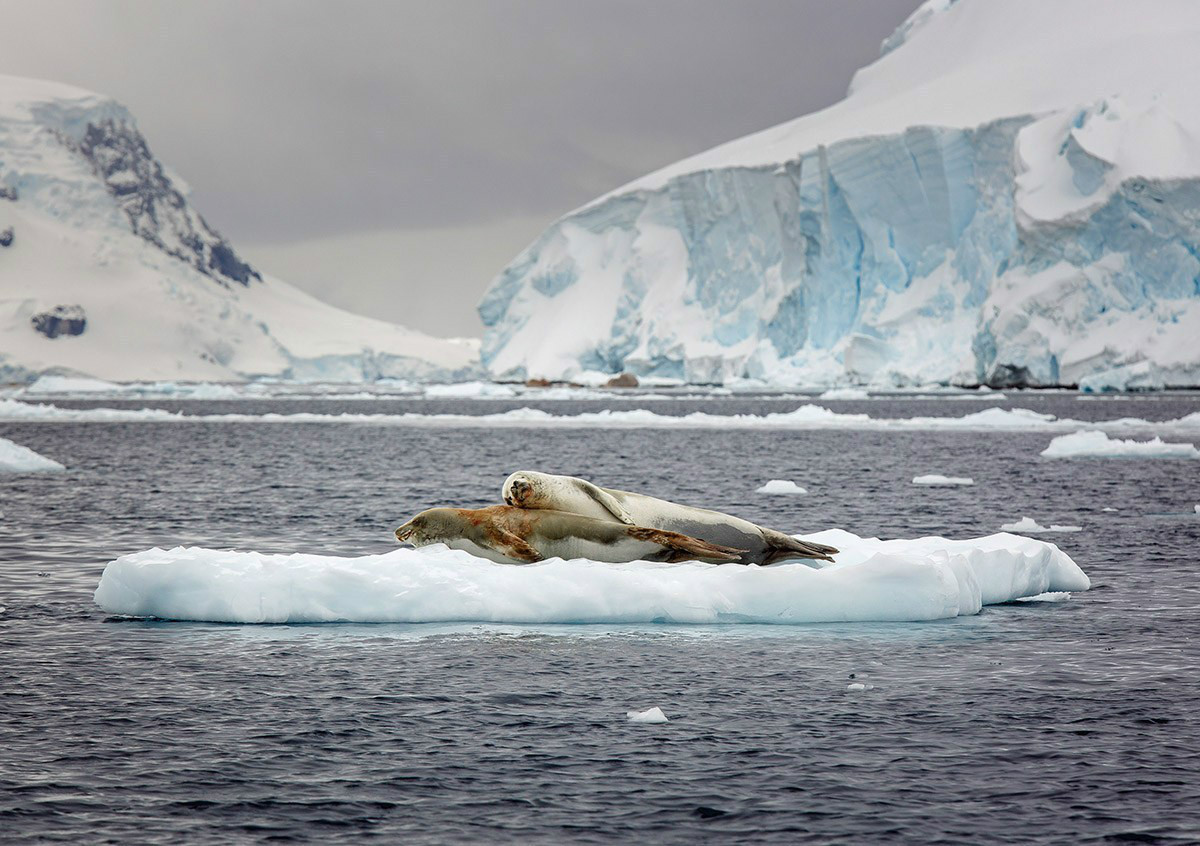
x: 684, y: 547
x: 784, y: 547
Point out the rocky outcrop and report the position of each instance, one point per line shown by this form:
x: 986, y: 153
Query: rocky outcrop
x: 60, y: 320
x: 156, y: 209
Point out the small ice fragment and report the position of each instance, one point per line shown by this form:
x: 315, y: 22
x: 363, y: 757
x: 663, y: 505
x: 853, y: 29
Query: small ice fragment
x: 650, y: 715
x: 1197, y: 507
x: 935, y: 480
x: 780, y: 486
x: 1110, y: 508
x: 859, y: 686
x: 1028, y: 525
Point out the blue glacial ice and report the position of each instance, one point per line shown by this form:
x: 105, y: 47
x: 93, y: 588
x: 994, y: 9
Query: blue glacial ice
x: 1048, y: 238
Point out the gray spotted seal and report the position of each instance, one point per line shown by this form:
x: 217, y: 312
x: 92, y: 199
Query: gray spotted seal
x: 533, y: 490
x: 510, y: 535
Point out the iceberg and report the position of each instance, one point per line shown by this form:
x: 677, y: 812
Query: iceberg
x: 15, y: 458
x: 1095, y: 444
x: 873, y: 580
x: 1005, y: 197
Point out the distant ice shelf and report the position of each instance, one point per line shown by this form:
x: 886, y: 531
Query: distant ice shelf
x: 1004, y: 197
x: 873, y: 580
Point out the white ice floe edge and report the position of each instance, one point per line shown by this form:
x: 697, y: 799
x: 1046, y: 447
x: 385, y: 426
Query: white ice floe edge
x: 872, y: 581
x: 801, y: 418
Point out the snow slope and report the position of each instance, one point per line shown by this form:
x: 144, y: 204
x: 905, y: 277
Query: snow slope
x: 1009, y: 195
x: 900, y: 580
x: 110, y: 272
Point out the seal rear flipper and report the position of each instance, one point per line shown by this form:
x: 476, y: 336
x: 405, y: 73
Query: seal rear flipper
x: 608, y: 502
x: 684, y: 548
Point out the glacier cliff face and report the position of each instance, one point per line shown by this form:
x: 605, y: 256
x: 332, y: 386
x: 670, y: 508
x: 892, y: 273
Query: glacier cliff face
x: 1047, y: 235
x: 107, y: 270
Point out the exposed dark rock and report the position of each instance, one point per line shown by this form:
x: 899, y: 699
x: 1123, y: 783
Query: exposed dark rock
x: 60, y: 320
x: 8, y: 192
x: 538, y: 383
x: 1010, y: 376
x: 625, y: 380
x: 157, y: 211
x: 6, y: 237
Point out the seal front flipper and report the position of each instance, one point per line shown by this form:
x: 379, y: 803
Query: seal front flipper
x: 684, y: 548
x: 607, y: 501
x: 514, y: 546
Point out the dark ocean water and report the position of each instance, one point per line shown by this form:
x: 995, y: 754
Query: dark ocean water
x: 1068, y: 722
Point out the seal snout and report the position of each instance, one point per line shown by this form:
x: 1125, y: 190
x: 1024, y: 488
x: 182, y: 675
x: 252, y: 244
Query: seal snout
x: 405, y: 532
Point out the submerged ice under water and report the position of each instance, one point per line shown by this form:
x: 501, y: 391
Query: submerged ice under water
x: 1038, y: 721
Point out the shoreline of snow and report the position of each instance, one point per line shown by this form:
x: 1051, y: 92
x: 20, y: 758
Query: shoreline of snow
x: 872, y: 581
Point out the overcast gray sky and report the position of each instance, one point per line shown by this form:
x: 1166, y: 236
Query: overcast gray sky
x: 391, y: 157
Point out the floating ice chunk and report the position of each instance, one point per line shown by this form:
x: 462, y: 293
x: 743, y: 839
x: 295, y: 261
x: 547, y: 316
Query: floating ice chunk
x: 15, y: 458
x: 1095, y: 444
x: 934, y: 480
x: 845, y: 394
x: 1028, y: 525
x: 1197, y: 507
x: 650, y: 715
x: 780, y: 486
x: 873, y: 580
x: 859, y: 686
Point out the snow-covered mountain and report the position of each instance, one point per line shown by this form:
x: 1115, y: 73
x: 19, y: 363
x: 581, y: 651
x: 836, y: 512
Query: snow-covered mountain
x: 1010, y: 194
x: 106, y: 270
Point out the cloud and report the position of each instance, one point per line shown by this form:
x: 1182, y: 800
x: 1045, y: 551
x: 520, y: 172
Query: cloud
x: 308, y: 119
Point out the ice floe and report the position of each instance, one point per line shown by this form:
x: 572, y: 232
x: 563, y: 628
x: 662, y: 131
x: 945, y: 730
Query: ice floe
x: 936, y: 481
x: 805, y: 417
x: 780, y: 486
x: 1095, y: 444
x: 650, y: 715
x: 872, y: 580
x: 845, y: 394
x: 15, y: 458
x: 1027, y: 525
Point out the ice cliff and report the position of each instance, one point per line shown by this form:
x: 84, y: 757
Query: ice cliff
x: 107, y: 270
x: 1009, y: 195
